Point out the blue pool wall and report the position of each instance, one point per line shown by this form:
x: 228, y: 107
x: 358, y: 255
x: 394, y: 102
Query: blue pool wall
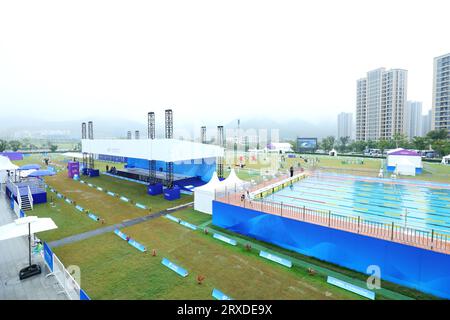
x: 413, y: 267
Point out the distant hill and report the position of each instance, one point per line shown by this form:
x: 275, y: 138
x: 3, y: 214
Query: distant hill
x: 115, y: 127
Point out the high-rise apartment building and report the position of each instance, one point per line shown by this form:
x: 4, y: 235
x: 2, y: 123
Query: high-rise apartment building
x: 380, y: 104
x: 441, y: 94
x: 426, y: 123
x: 413, y: 119
x: 345, y: 125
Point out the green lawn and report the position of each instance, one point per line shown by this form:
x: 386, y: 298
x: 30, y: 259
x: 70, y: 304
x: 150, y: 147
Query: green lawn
x: 136, y: 192
x: 69, y: 220
x: 192, y: 216
x: 130, y: 274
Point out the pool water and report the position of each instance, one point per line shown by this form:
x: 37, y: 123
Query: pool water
x: 411, y: 204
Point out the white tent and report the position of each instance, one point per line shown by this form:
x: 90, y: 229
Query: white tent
x: 446, y: 159
x: 204, y: 195
x: 405, y: 167
x: 232, y: 182
x: 6, y: 165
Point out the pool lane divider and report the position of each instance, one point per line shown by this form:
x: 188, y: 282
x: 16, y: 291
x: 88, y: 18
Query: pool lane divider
x: 174, y: 267
x: 275, y: 258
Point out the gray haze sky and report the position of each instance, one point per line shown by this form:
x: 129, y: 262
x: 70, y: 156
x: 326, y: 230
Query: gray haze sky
x: 217, y: 59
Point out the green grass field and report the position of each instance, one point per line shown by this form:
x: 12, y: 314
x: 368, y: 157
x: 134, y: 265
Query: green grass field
x: 130, y: 274
x: 69, y: 220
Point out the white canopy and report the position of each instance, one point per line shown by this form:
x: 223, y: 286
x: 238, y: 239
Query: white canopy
x: 213, y: 184
x: 76, y: 155
x: 19, y: 227
x: 446, y: 159
x: 6, y: 164
x: 168, y: 150
x: 233, y: 181
x: 405, y: 167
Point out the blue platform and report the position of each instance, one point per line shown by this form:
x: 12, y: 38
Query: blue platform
x: 172, y: 194
x: 155, y: 189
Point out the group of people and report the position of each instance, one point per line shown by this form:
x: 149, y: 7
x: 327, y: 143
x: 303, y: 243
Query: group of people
x: 113, y: 170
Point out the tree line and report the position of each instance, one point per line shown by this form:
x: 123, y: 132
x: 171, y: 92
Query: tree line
x: 436, y: 140
x: 25, y: 144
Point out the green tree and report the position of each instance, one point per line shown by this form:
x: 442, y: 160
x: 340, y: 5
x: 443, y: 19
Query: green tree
x: 343, y: 143
x: 53, y: 147
x: 441, y: 146
x: 3, y: 145
x: 328, y: 143
x: 401, y: 141
x: 384, y: 144
x: 357, y: 146
x: 15, y: 145
x: 434, y: 135
x: 420, y: 143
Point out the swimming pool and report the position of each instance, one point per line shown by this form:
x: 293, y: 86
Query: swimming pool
x: 412, y: 204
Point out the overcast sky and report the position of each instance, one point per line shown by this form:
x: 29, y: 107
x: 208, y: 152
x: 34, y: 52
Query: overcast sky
x: 211, y: 59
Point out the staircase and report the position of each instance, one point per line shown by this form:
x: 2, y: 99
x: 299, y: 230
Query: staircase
x: 25, y: 199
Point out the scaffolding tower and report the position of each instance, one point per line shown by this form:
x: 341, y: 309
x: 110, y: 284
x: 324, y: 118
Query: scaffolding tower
x: 84, y: 136
x: 169, y: 135
x: 91, y: 137
x: 220, y: 143
x: 151, y: 135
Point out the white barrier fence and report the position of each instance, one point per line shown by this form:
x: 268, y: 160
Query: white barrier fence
x: 69, y: 286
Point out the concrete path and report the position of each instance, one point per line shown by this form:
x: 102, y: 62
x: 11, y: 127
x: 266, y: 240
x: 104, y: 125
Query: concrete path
x: 13, y: 257
x: 123, y: 224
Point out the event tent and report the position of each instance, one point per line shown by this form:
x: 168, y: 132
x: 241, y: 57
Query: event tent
x: 204, y: 195
x: 446, y: 159
x: 6, y: 165
x: 402, y: 160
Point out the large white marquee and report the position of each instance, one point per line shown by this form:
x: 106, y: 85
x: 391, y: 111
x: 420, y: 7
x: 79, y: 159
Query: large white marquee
x: 168, y: 150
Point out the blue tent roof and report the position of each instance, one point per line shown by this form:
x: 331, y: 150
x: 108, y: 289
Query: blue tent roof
x: 41, y: 173
x: 30, y: 166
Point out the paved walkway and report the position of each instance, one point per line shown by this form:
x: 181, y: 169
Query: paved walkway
x: 13, y: 257
x: 123, y: 224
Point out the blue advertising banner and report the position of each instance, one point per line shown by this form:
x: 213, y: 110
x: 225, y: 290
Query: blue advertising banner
x: 352, y: 288
x: 48, y: 256
x: 93, y: 216
x: 224, y: 239
x: 59, y: 195
x: 182, y: 272
x: 68, y: 200
x: 121, y: 234
x: 83, y: 295
x: 99, y: 189
x: 275, y: 258
x: 141, y: 206
x: 219, y: 295
x: 137, y: 245
x: 170, y: 217
x: 124, y: 199
x: 79, y: 208
x: 111, y: 193
x: 188, y: 225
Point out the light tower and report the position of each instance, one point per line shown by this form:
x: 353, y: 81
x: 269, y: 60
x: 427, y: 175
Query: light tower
x: 136, y: 135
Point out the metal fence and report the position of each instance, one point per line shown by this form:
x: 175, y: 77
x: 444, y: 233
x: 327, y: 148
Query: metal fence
x: 428, y: 239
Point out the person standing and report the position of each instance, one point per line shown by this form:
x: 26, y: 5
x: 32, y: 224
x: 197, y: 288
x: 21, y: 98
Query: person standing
x: 291, y: 170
